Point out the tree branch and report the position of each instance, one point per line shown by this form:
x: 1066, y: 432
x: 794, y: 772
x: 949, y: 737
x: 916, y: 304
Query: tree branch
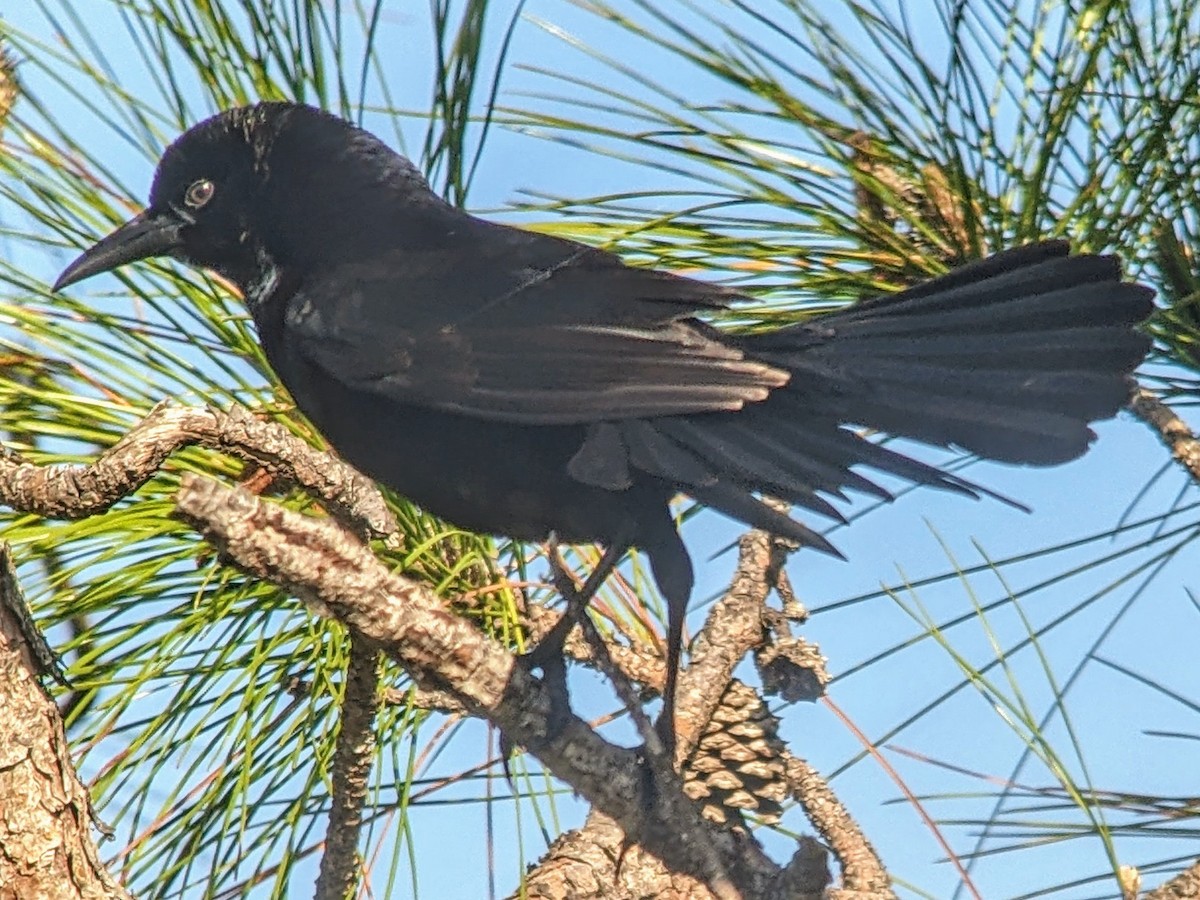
x: 46, y: 847
x: 353, y: 757
x: 1184, y: 886
x: 326, y: 566
x: 736, y: 625
x: 863, y: 874
x: 583, y: 863
x: 1174, y: 432
x: 76, y: 492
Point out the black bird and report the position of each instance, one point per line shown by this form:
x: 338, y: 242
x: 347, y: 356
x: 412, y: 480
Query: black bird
x: 530, y: 386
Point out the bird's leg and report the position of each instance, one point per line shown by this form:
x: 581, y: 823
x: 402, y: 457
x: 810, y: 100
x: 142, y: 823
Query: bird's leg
x: 604, y: 662
x: 549, y: 650
x: 673, y: 572
x: 548, y: 655
x: 665, y: 726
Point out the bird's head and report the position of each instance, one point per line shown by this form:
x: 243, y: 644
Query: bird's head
x: 257, y: 187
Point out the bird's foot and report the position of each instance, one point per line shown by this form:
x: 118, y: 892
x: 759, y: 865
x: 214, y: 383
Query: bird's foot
x: 654, y: 747
x: 548, y: 658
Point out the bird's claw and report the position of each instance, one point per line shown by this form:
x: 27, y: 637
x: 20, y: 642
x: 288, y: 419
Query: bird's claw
x: 546, y: 657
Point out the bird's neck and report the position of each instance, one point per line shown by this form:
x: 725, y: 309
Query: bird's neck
x: 267, y: 294
x: 261, y: 287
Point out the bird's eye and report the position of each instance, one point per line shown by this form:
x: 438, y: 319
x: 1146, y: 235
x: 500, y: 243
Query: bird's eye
x: 199, y: 193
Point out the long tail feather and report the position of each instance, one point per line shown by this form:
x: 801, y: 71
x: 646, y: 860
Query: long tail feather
x: 1011, y: 358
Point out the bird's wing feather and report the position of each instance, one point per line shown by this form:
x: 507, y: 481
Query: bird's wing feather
x: 532, y: 334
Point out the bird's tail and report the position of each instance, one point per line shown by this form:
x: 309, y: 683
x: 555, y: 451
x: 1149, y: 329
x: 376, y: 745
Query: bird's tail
x: 1010, y: 358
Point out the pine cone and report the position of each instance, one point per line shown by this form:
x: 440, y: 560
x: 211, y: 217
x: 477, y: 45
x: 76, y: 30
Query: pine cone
x: 737, y: 763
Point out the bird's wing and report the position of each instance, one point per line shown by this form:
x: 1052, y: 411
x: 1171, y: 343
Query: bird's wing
x: 524, y: 328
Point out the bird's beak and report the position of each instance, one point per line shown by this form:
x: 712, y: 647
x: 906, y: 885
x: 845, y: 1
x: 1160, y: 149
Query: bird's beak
x: 151, y: 233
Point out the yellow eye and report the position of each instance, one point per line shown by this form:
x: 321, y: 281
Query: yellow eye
x: 199, y: 193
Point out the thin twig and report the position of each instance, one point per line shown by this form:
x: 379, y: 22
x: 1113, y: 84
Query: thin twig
x: 600, y: 654
x: 1175, y: 433
x: 341, y: 868
x: 734, y: 627
x: 863, y: 873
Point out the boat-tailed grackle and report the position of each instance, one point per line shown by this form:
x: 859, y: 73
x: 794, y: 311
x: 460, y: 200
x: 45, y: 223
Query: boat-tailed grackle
x: 530, y: 386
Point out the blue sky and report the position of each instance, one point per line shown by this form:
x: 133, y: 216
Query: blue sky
x: 900, y: 544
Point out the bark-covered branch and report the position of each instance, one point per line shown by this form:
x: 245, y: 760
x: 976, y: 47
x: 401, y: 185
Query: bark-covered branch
x: 863, y: 874
x: 734, y: 627
x: 46, y: 818
x: 84, y: 490
x: 280, y: 546
x: 353, y: 758
x: 328, y: 567
x: 583, y: 863
x: 1184, y: 886
x: 1174, y: 432
x: 737, y: 624
x: 76, y: 492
